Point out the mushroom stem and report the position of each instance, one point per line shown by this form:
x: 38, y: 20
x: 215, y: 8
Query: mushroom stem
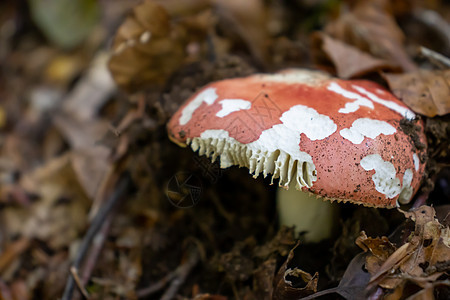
x: 307, y: 213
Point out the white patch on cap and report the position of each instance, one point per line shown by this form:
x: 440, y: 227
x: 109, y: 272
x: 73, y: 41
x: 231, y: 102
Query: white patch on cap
x: 232, y: 105
x: 407, y: 190
x: 416, y: 162
x: 303, y: 119
x: 207, y: 96
x: 350, y: 106
x: 384, y: 178
x: 366, y: 127
x: 405, y: 112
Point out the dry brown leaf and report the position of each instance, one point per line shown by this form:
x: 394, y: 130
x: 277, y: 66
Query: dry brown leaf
x: 353, y: 283
x: 179, y: 8
x: 148, y: 47
x: 426, y: 92
x: 370, y: 27
x: 348, y: 60
x: 209, y: 297
x: 263, y: 278
x: 306, y: 284
x: 421, y: 260
x: 59, y: 215
x: 91, y: 92
x: 11, y: 252
x: 433, y: 241
x: 248, y: 20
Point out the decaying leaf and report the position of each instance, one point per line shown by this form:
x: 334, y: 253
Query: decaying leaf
x: 281, y: 244
x: 262, y: 279
x: 237, y: 263
x: 370, y: 27
x: 149, y: 47
x: 424, y: 91
x: 380, y: 248
x: 13, y: 251
x: 59, y: 214
x: 421, y: 260
x: 348, y: 60
x: 353, y: 283
x: 248, y: 20
x: 292, y: 282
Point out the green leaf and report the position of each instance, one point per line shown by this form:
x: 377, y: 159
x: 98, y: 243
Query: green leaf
x: 65, y: 22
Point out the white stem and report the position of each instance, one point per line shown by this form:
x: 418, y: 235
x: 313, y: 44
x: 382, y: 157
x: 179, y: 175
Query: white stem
x: 307, y: 212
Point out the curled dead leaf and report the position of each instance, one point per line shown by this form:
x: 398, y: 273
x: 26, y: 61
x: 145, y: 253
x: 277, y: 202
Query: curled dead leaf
x: 59, y: 215
x: 371, y: 27
x: 424, y: 91
x: 348, y: 60
x: 419, y: 261
x: 353, y: 283
x: 284, y: 287
x: 247, y: 19
x: 149, y: 47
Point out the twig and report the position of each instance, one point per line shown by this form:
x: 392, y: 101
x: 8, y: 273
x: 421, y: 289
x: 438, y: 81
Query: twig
x: 74, y: 272
x: 157, y: 286
x: 122, y: 187
x: 436, y: 22
x: 183, y: 272
x: 176, y: 277
x: 96, y: 247
x: 436, y: 58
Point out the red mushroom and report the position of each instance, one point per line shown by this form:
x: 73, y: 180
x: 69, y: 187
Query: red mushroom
x: 337, y: 139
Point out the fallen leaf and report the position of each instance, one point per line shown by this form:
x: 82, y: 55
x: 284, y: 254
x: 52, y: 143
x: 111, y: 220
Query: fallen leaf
x: 91, y: 92
x: 424, y: 91
x: 248, y: 20
x: 149, y: 47
x: 370, y: 27
x: 144, y: 49
x: 237, y: 263
x: 2, y: 117
x: 60, y: 213
x: 420, y: 261
x: 13, y: 251
x: 354, y: 282
x: 209, y: 297
x: 263, y: 278
x: 281, y: 244
x: 83, y: 130
x: 348, y: 60
x: 292, y: 282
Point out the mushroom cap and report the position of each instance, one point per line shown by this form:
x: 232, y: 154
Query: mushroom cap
x: 345, y: 140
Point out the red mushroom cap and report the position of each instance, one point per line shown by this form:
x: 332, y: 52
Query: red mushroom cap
x: 344, y: 140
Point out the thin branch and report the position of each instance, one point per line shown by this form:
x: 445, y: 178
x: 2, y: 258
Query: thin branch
x: 183, y: 272
x: 157, y: 286
x: 435, y: 57
x: 122, y: 187
x: 96, y: 248
x: 74, y: 272
x: 176, y: 278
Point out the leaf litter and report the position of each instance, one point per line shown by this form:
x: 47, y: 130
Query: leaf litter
x: 69, y: 135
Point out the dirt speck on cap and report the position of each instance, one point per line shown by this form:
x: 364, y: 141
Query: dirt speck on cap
x: 411, y: 128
